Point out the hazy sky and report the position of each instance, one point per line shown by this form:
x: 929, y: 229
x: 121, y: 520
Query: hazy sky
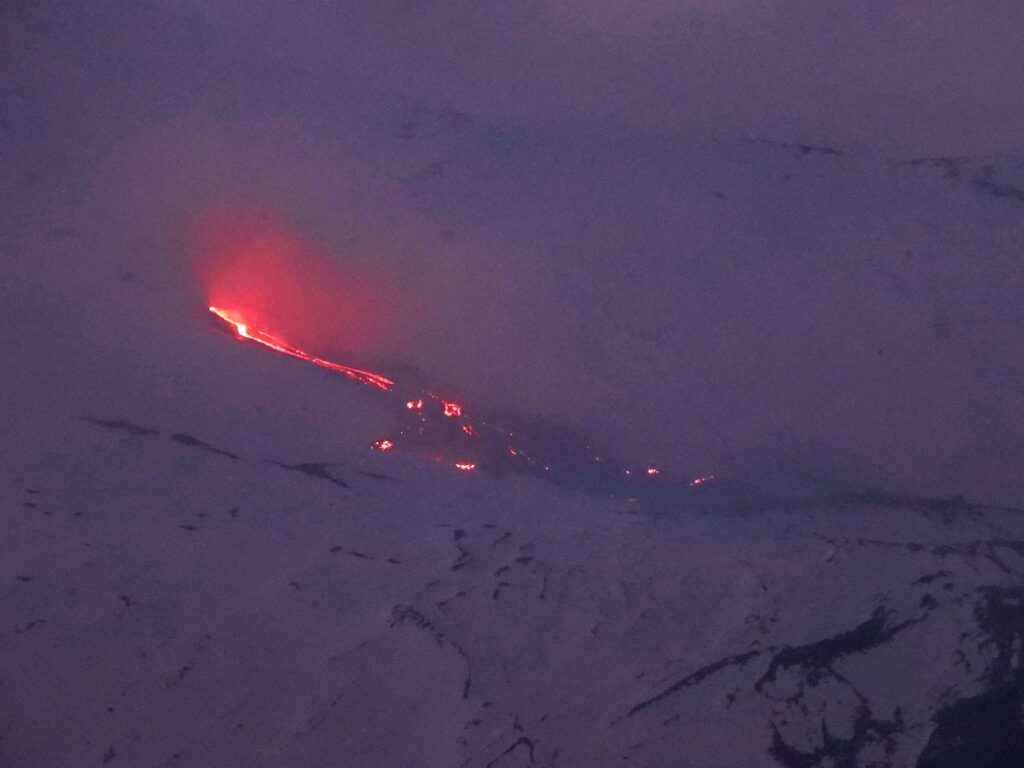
x: 772, y: 240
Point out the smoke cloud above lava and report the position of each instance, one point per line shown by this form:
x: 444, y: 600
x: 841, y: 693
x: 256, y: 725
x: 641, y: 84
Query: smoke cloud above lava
x: 268, y: 275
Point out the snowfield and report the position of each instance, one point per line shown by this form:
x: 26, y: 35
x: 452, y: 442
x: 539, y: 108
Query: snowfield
x: 169, y: 600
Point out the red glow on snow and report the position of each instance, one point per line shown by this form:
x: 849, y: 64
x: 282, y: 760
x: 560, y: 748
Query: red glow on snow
x: 702, y: 480
x: 465, y: 465
x: 383, y: 445
x: 279, y: 345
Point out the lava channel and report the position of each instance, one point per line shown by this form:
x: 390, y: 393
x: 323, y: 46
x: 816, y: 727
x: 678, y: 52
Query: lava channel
x: 440, y: 427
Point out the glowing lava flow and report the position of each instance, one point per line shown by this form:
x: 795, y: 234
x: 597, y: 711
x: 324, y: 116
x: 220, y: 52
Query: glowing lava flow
x: 441, y: 428
x: 278, y: 345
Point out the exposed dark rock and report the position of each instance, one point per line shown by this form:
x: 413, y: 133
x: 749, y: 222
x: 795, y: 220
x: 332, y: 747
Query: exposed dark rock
x: 929, y: 578
x: 124, y: 426
x: 997, y: 190
x: 30, y: 626
x: 317, y: 470
x: 522, y: 741
x: 175, y: 679
x: 984, y: 731
x: 1000, y: 617
x: 402, y: 614
x: 800, y: 149
x: 837, y: 752
x: 195, y: 442
x: 820, y: 654
x: 377, y: 475
x: 695, y: 678
x: 952, y: 167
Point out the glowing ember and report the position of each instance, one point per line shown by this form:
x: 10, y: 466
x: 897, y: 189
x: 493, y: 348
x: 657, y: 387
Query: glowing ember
x: 451, y: 409
x: 652, y: 471
x: 383, y: 445
x: 465, y: 465
x: 468, y: 429
x: 702, y: 480
x: 414, y: 405
x: 279, y: 345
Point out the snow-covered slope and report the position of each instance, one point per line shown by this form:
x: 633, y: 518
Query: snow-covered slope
x: 187, y: 596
